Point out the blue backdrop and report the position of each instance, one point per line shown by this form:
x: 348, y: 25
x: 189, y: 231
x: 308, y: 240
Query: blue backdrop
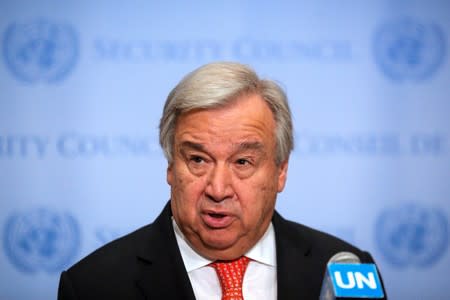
x: 82, y: 88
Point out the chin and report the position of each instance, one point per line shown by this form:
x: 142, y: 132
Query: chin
x: 218, y: 244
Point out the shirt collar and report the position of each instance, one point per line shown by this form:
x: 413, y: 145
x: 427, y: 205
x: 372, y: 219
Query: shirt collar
x: 263, y: 252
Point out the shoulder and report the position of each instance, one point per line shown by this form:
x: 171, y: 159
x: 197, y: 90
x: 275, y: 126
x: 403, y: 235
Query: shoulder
x: 314, y: 242
x: 303, y: 253
x: 111, y: 271
x: 142, y: 242
x: 115, y: 254
x: 123, y: 268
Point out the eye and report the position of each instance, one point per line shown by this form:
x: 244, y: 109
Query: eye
x: 198, y: 165
x: 244, y: 167
x: 242, y: 161
x: 196, y: 159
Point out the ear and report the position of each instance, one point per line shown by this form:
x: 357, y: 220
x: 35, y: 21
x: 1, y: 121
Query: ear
x: 169, y: 175
x: 282, y: 175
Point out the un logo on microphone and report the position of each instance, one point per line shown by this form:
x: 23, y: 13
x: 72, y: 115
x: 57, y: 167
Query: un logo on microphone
x: 409, y: 50
x: 41, y: 240
x: 40, y: 51
x: 412, y: 235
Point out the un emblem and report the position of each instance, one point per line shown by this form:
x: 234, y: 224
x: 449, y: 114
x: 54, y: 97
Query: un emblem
x: 40, y: 51
x: 409, y: 50
x: 41, y: 240
x: 412, y: 235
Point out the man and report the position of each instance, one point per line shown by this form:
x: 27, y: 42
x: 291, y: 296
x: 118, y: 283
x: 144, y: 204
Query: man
x: 227, y: 136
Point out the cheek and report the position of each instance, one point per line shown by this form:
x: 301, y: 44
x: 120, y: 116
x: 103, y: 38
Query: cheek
x: 186, y: 189
x: 257, y: 200
x: 180, y: 177
x: 185, y: 195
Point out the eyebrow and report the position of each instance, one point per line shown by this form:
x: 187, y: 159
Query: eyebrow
x: 192, y: 145
x: 240, y: 146
x: 250, y: 146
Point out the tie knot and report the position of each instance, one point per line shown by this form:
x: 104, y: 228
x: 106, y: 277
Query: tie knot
x: 231, y: 275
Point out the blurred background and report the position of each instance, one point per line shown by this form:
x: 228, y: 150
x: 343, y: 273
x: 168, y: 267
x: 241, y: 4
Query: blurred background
x: 82, y: 85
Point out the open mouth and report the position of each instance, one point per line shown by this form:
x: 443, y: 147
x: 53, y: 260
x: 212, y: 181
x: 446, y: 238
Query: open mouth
x: 217, y: 220
x: 218, y: 216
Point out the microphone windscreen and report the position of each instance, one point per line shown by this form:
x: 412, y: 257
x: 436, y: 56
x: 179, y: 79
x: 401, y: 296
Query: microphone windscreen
x: 344, y: 258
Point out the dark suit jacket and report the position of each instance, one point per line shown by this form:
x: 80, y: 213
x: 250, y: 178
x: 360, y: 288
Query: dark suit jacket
x: 147, y: 264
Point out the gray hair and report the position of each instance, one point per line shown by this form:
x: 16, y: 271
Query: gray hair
x: 217, y: 84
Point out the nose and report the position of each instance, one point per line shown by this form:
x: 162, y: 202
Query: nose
x: 219, y: 186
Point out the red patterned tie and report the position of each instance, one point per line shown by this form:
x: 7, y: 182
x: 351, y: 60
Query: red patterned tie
x: 231, y: 275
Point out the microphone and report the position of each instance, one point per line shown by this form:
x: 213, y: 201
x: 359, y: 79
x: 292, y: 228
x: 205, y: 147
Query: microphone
x: 347, y: 278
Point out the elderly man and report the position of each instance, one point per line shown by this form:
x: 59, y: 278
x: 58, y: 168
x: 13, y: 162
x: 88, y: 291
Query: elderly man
x: 227, y: 136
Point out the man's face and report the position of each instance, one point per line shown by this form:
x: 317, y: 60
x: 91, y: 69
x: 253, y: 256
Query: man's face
x: 223, y: 177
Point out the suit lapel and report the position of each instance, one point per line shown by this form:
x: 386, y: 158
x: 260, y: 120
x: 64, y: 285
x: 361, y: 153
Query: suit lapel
x: 295, y: 265
x: 161, y: 272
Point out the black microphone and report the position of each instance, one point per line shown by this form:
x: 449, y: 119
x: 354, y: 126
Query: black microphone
x: 347, y: 278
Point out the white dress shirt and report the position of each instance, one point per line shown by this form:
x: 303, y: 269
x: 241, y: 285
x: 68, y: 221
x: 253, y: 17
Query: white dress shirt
x: 260, y: 278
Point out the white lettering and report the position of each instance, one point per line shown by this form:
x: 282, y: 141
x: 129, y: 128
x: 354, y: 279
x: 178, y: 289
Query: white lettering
x: 369, y: 280
x: 340, y: 283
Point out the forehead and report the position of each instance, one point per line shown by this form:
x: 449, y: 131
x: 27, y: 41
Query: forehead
x: 247, y: 119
